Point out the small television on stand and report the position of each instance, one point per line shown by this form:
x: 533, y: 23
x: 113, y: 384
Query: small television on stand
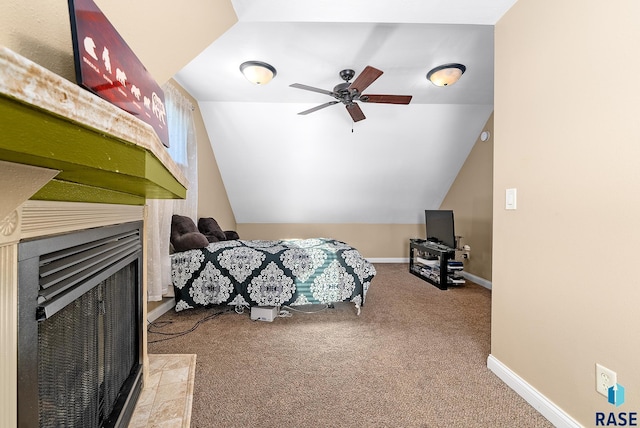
x: 440, y: 227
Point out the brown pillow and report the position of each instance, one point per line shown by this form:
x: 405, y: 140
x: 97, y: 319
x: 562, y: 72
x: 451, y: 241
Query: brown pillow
x: 231, y: 235
x: 210, y: 228
x: 185, y: 235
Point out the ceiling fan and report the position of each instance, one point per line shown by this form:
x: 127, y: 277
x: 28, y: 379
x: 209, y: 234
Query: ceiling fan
x: 348, y: 93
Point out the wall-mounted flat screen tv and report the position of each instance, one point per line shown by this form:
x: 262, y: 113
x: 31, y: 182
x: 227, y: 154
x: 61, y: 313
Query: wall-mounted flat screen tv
x: 440, y: 227
x: 106, y: 66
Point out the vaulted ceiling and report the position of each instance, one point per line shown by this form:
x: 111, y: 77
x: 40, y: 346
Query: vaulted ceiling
x: 281, y: 167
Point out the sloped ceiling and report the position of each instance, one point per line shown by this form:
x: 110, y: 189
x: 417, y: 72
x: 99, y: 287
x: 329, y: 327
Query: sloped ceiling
x: 281, y: 167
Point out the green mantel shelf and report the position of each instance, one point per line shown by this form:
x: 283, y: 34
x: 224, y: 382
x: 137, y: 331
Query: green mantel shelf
x: 103, y: 153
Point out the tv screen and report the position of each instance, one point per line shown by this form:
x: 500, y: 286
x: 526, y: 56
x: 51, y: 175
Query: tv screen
x: 440, y: 227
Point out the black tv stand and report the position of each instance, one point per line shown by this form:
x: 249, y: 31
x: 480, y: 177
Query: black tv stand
x: 437, y: 271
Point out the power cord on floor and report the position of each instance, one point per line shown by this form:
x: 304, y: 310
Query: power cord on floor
x: 324, y: 308
x: 151, y: 328
x: 284, y: 314
x: 286, y: 311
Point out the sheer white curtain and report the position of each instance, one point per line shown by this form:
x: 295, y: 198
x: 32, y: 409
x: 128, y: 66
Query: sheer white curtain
x: 183, y: 150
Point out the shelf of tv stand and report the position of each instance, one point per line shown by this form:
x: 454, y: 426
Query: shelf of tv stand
x: 443, y: 254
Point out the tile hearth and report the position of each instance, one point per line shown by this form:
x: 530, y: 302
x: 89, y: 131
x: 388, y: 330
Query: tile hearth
x: 166, y: 400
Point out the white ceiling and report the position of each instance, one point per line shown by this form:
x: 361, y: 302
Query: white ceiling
x: 281, y: 167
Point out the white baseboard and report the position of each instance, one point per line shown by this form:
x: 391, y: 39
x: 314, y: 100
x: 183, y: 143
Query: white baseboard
x: 480, y: 281
x: 542, y: 404
x: 160, y: 310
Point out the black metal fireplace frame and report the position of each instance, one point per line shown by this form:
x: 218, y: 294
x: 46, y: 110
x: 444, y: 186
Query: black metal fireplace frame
x: 99, y: 253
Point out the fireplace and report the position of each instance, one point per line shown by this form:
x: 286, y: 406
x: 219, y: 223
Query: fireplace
x: 80, y: 327
x: 69, y: 161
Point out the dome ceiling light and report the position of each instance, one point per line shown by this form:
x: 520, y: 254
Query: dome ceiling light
x: 446, y: 75
x: 258, y: 72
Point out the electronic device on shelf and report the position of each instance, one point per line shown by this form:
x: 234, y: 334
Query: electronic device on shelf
x: 437, y: 246
x: 440, y: 229
x: 433, y: 259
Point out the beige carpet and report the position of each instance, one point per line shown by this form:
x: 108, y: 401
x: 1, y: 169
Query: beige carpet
x: 415, y: 357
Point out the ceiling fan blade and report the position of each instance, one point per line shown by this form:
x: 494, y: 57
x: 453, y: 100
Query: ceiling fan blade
x: 321, y: 106
x: 355, y: 112
x: 367, y: 77
x: 311, y: 88
x: 386, y: 99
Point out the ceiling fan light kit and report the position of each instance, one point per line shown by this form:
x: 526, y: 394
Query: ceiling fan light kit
x: 446, y: 75
x: 348, y: 93
x: 258, y: 72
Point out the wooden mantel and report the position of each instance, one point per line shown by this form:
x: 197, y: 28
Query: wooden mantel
x: 101, y: 153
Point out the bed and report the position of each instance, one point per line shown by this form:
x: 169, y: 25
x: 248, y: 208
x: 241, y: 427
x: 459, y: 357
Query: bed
x: 289, y: 272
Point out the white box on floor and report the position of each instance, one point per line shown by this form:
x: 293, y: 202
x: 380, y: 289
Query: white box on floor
x: 264, y: 313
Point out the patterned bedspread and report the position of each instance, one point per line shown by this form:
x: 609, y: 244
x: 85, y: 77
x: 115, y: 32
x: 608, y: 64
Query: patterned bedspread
x: 270, y: 273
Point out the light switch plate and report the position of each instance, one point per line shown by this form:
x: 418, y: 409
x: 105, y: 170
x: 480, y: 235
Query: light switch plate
x: 511, y: 199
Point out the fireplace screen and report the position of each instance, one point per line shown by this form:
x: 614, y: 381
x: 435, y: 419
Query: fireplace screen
x: 83, y: 364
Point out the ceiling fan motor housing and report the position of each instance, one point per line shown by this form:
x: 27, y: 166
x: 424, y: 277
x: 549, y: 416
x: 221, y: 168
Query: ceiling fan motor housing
x: 342, y: 93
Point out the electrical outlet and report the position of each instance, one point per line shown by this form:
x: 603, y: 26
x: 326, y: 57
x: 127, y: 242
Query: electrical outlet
x: 605, y: 379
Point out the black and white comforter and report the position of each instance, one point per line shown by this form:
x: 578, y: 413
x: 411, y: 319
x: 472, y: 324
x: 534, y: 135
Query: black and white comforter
x: 270, y: 273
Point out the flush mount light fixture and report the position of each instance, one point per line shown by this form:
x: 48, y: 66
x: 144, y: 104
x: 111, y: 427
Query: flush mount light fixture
x: 258, y: 72
x: 446, y: 75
